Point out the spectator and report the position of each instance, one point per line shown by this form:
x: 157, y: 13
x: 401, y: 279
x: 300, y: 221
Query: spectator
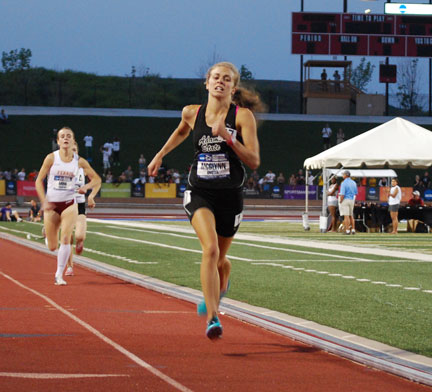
x: 340, y: 136
x: 395, y: 197
x: 176, y: 176
x: 21, y: 176
x: 14, y: 174
x: 383, y: 182
x: 418, y: 184
x: 292, y: 180
x: 106, y: 159
x: 109, y: 179
x: 416, y: 200
x: 88, y: 144
x: 252, y: 182
x: 324, y: 80
x: 121, y: 178
x: 142, y: 177
x: 32, y: 175
x: 300, y: 178
x: 280, y: 179
x: 9, y: 215
x: 35, y: 212
x: 310, y: 179
x: 426, y: 180
x: 326, y: 135
x: 4, y: 119
x: 142, y: 162
x: 347, y: 196
x: 54, y: 145
x: 337, y: 78
x: 270, y: 177
x: 128, y: 174
x: 332, y: 203
x: 7, y: 174
x: 116, y: 151
x: 108, y: 147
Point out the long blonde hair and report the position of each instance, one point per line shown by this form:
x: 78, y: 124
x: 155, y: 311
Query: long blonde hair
x: 243, y: 97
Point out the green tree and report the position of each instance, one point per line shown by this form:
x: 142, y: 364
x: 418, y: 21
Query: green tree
x: 362, y: 74
x: 409, y: 86
x: 245, y: 74
x: 16, y: 60
x: 17, y: 63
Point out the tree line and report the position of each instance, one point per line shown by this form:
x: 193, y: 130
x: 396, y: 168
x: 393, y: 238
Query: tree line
x: 22, y: 84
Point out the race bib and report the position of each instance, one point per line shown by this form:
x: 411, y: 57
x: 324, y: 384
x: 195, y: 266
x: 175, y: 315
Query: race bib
x: 213, y: 166
x: 63, y: 183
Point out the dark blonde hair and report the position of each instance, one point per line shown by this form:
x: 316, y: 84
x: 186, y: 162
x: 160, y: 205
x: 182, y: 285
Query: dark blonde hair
x: 243, y: 97
x: 66, y: 128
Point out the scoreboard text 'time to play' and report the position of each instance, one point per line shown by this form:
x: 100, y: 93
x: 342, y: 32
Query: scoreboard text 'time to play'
x: 361, y: 34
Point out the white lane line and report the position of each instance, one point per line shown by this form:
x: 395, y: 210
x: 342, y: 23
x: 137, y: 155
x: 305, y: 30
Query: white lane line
x: 158, y: 244
x: 413, y: 256
x: 290, y: 267
x: 104, y: 338
x: 49, y: 376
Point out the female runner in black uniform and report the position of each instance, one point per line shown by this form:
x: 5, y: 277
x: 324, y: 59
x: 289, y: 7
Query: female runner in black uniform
x: 224, y: 137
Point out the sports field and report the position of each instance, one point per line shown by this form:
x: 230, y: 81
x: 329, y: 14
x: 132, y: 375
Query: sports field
x: 374, y: 285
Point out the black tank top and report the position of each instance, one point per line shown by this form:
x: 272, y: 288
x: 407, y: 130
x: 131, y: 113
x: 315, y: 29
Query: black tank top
x: 215, y: 164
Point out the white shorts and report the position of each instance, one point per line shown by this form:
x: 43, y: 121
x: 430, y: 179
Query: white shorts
x: 346, y: 208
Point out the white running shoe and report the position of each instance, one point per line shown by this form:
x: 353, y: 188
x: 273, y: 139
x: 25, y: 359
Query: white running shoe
x: 59, y: 281
x: 69, y: 271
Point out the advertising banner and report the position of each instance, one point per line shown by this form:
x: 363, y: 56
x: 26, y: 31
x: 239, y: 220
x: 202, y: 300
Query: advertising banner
x: 361, y: 193
x: 181, y: 189
x: 26, y: 188
x: 299, y: 192
x: 138, y: 190
x: 406, y: 193
x: 115, y: 190
x: 276, y: 192
x: 372, y: 193
x: 427, y: 194
x: 10, y: 188
x: 157, y: 190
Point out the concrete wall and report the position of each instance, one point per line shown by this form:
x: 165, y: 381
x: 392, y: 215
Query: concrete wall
x: 370, y: 105
x: 328, y: 106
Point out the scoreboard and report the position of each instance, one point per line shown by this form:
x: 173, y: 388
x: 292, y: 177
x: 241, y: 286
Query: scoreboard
x: 361, y: 34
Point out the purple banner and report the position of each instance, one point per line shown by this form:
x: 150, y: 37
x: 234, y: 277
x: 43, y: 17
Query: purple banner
x: 299, y: 192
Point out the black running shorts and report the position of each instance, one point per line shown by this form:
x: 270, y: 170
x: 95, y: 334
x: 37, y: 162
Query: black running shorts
x: 81, y: 209
x: 226, y: 205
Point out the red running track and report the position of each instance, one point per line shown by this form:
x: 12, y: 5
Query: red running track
x: 102, y: 334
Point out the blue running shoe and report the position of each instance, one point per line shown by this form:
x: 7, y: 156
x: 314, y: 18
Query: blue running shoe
x: 214, y: 329
x: 201, y: 307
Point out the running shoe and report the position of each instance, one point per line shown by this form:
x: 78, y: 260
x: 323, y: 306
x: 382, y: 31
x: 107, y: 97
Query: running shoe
x: 69, y: 271
x: 59, y: 281
x: 79, y: 247
x: 214, y: 329
x: 202, y: 308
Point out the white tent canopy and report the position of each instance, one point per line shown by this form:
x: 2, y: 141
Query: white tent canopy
x: 398, y: 143
x: 359, y: 173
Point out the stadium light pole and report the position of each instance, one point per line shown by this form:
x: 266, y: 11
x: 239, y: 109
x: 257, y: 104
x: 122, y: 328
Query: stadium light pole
x: 301, y: 67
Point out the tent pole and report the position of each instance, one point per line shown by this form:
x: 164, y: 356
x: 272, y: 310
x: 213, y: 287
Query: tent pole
x: 305, y: 215
x: 307, y: 192
x: 323, y: 217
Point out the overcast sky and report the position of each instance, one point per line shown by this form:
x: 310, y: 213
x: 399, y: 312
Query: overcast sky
x: 173, y: 38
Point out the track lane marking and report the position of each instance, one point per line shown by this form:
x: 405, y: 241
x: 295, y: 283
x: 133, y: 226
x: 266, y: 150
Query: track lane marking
x: 104, y: 338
